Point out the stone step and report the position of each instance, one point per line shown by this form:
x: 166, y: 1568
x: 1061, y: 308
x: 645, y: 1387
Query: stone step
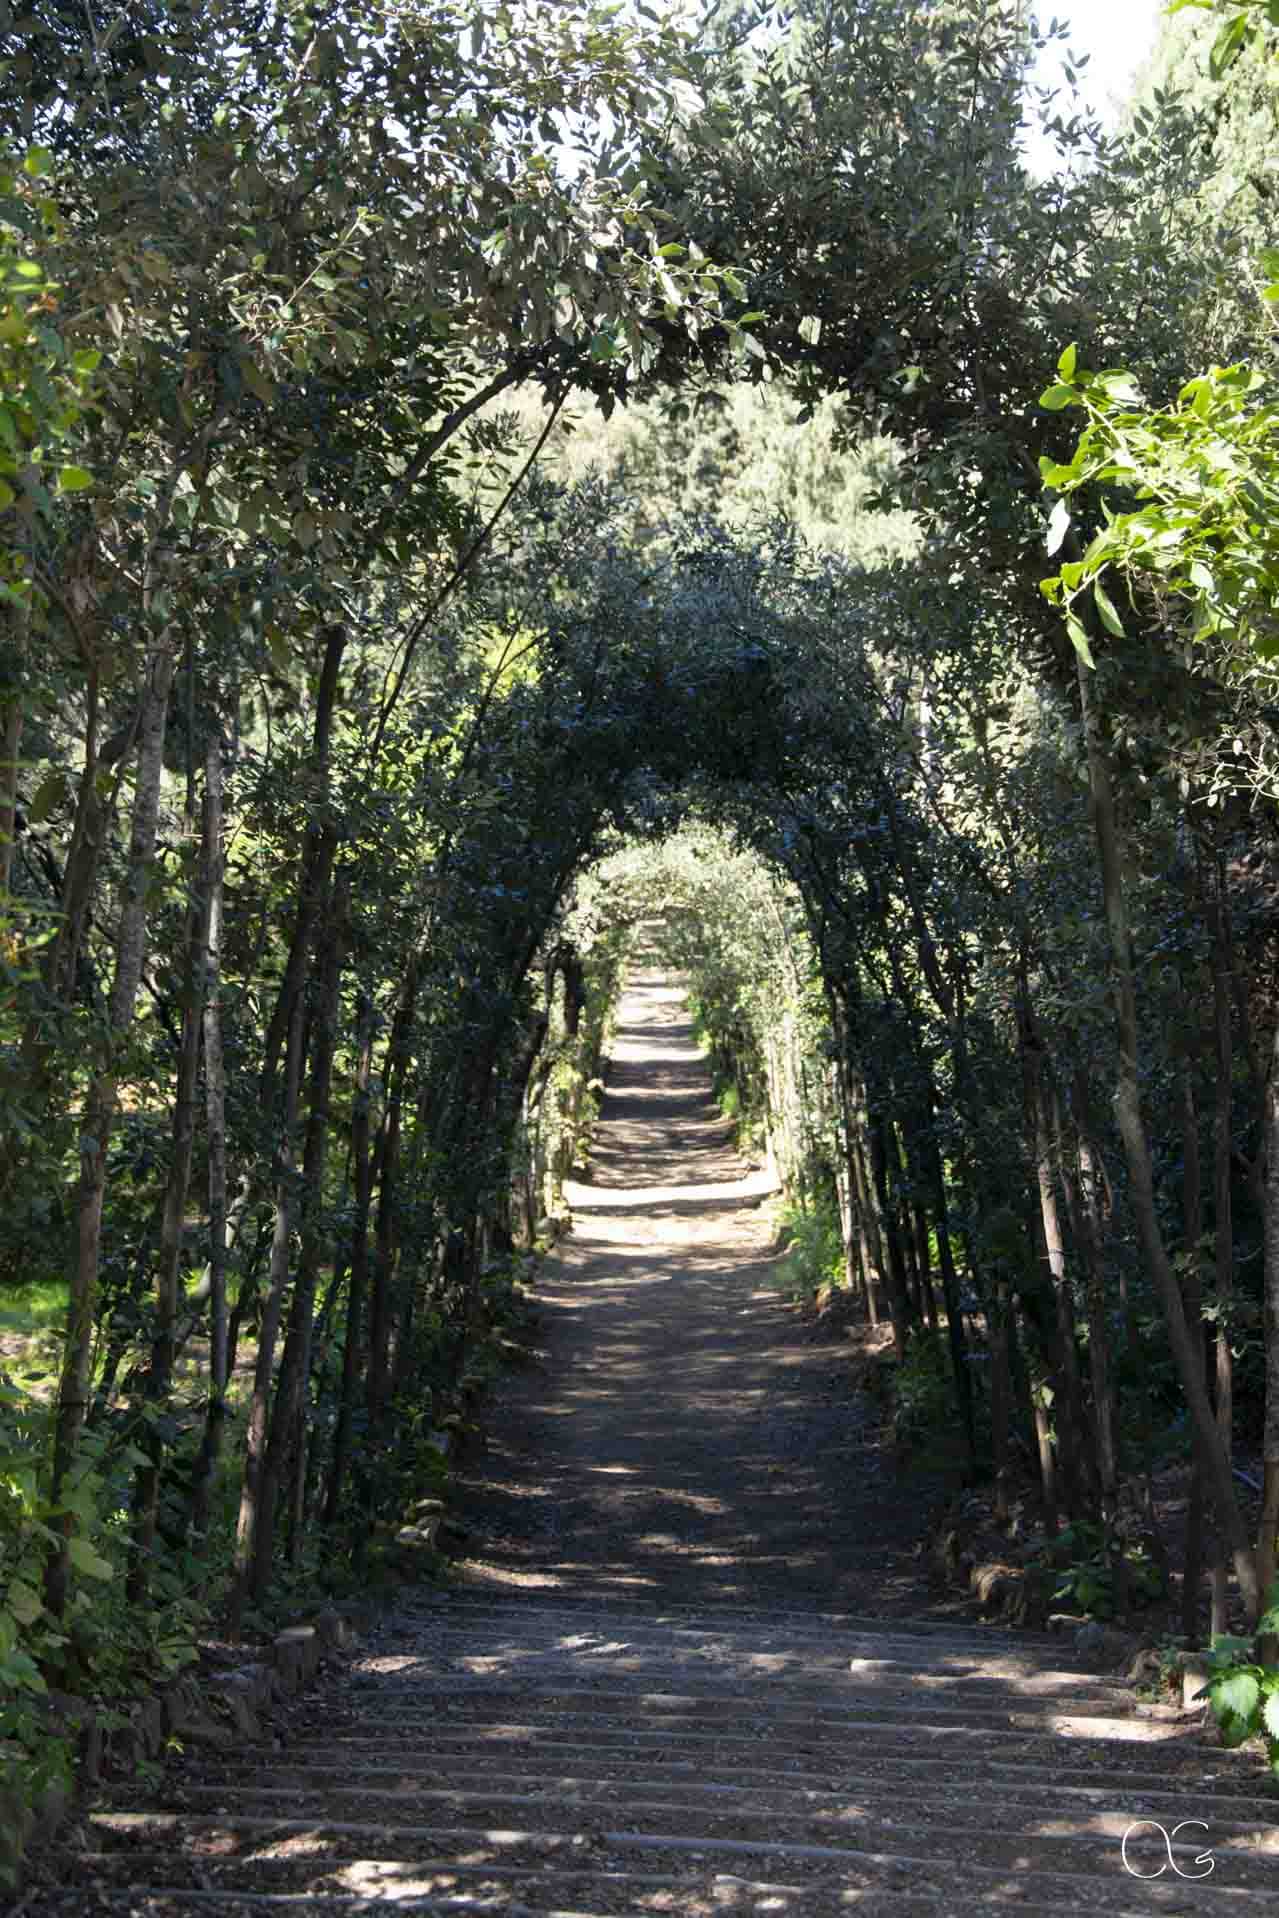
x: 537, y: 1622
x: 1242, y: 1796
x: 832, y: 1705
x: 609, y: 1612
x: 455, y: 1719
x: 515, y: 1895
x: 832, y: 1810
x: 774, y: 1669
x: 1083, y: 1870
x: 883, y: 1747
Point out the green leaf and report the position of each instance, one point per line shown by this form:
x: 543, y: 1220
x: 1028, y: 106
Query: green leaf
x: 24, y: 1602
x: 38, y: 162
x: 1226, y: 1647
x: 86, y: 1560
x: 1056, y: 398
x: 1234, y: 1730
x: 1236, y: 1693
x: 1270, y: 1714
x: 1228, y: 45
x: 1066, y: 364
x: 1079, y: 640
x: 1268, y: 1623
x: 1105, y: 606
x: 49, y: 793
x: 74, y: 479
x: 7, y: 495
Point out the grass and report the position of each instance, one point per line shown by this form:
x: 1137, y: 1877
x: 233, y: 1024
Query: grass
x: 33, y: 1309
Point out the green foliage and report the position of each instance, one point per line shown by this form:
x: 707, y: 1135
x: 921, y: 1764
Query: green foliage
x: 44, y: 381
x: 814, y: 1247
x: 1084, y: 1562
x: 1201, y: 541
x: 1239, y: 26
x: 102, y: 1646
x: 1244, y: 1695
x: 923, y: 1398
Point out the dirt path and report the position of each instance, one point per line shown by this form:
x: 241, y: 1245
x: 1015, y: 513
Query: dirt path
x: 687, y: 1437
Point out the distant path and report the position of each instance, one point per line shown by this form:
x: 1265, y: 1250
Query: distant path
x: 687, y: 1438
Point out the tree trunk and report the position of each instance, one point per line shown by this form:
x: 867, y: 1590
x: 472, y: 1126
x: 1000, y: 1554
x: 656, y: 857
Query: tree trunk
x: 357, y: 1285
x: 1000, y: 1398
x: 1269, y: 1527
x: 246, y: 1535
x: 1223, y: 1224
x: 318, y: 847
x: 381, y: 1312
x: 1087, y: 1213
x: 290, y: 1389
x: 146, y: 1492
x: 12, y: 714
x: 898, y: 1298
x: 215, y: 1123
x: 1132, y: 1131
x: 99, y: 1111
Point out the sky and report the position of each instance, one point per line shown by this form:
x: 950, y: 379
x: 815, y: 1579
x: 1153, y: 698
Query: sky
x: 1118, y: 34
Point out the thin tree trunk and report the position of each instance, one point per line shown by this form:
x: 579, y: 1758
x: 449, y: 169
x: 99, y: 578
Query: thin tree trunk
x: 318, y: 847
x: 246, y: 1535
x: 215, y: 1123
x: 1087, y: 1214
x: 1000, y: 1398
x: 99, y: 1111
x: 1192, y: 1213
x: 146, y: 1493
x: 290, y: 1390
x: 1132, y: 1130
x: 14, y: 713
x: 357, y: 1287
x: 397, y: 1063
x: 955, y: 1336
x: 898, y: 1298
x: 1223, y: 1225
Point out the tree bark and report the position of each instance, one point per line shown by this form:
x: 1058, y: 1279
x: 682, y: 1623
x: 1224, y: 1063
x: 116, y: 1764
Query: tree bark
x: 381, y: 1305
x: 146, y: 1492
x: 215, y: 1124
x: 291, y: 1384
x: 13, y: 712
x: 357, y: 1284
x: 100, y: 1106
x: 246, y: 1536
x: 1132, y: 1131
x: 318, y: 847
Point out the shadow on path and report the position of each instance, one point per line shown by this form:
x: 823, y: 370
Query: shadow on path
x: 687, y: 1439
